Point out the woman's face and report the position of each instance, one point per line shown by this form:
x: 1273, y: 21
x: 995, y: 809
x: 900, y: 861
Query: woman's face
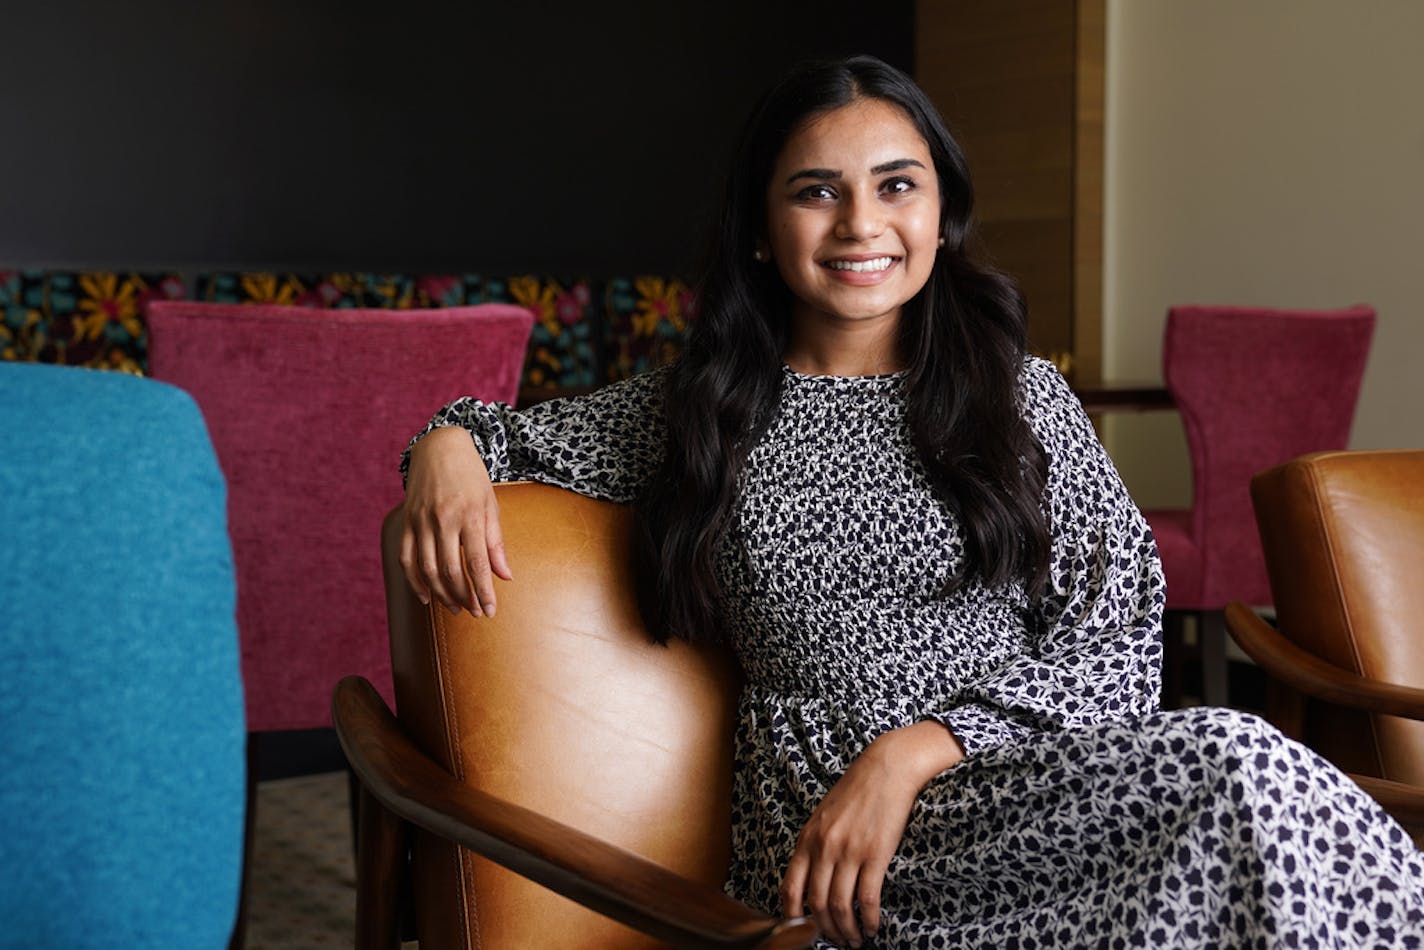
x: 853, y: 215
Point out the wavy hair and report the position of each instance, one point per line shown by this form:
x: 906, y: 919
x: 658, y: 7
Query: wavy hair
x: 962, y: 339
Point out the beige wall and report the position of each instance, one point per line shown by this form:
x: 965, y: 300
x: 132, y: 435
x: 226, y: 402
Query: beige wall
x: 1271, y: 153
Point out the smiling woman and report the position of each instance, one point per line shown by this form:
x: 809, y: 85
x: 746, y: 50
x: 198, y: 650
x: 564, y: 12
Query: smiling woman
x: 853, y: 217
x: 946, y: 606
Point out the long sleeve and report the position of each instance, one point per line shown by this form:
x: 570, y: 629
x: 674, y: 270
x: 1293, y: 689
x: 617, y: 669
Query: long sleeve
x: 604, y: 445
x: 1095, y: 651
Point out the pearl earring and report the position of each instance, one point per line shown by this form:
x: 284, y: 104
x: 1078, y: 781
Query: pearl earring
x: 759, y: 256
x: 941, y: 242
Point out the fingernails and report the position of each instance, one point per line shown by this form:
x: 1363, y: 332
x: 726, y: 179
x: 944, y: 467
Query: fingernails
x: 454, y: 611
x: 489, y: 609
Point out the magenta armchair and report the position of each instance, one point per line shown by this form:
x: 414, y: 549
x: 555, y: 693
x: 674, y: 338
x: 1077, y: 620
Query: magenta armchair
x: 309, y: 411
x: 1255, y: 387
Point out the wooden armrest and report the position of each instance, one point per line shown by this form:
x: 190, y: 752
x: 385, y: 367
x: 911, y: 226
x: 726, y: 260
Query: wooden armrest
x: 1310, y: 674
x: 1405, y: 803
x: 610, y: 880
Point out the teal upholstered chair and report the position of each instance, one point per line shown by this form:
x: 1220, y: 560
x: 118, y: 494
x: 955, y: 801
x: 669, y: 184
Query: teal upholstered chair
x: 121, y: 725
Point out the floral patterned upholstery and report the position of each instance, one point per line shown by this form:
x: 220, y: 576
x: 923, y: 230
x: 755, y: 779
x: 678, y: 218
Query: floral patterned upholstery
x: 587, y: 331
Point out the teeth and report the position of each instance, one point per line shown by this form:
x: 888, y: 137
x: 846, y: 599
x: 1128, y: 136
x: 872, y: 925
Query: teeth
x: 874, y: 264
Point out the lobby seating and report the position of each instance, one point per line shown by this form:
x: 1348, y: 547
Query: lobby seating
x: 1343, y: 534
x: 1254, y: 387
x: 121, y: 796
x: 586, y: 769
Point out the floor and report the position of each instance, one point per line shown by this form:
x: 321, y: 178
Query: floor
x: 302, y: 883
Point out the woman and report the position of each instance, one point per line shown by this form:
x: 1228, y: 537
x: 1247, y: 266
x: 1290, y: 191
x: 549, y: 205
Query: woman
x: 945, y: 603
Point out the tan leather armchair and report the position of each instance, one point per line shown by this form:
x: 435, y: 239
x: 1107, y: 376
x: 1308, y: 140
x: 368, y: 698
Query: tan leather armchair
x: 558, y: 779
x: 1343, y: 534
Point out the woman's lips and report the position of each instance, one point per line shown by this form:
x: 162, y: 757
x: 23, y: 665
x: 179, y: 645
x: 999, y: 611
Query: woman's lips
x: 861, y: 270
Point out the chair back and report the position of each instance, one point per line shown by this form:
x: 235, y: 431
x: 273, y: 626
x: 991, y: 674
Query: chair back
x: 121, y: 795
x: 563, y: 704
x: 309, y: 411
x: 1344, y: 541
x: 1255, y: 387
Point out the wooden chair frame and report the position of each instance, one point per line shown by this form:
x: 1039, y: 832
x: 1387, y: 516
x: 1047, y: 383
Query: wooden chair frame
x: 1302, y: 672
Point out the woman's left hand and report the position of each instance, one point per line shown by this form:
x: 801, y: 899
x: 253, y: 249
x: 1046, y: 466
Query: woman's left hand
x: 846, y: 845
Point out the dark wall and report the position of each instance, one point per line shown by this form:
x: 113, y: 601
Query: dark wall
x: 422, y: 135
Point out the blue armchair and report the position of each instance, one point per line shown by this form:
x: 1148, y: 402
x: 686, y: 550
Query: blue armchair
x: 121, y: 722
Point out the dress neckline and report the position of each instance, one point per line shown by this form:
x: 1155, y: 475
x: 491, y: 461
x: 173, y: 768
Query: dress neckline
x: 852, y: 380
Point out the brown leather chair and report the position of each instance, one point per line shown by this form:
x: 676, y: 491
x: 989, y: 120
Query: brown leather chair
x: 550, y: 757
x: 1343, y: 535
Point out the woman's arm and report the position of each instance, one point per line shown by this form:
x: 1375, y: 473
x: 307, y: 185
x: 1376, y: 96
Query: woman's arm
x: 1097, y: 648
x: 605, y: 445
x: 845, y: 847
x: 452, y: 541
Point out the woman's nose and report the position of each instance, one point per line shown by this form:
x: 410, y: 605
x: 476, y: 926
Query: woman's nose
x: 860, y: 218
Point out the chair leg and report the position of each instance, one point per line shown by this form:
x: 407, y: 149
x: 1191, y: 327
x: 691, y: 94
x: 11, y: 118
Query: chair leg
x: 1285, y: 709
x: 380, y: 850
x: 353, y: 799
x: 1211, y: 633
x: 239, y: 928
x: 1173, y: 647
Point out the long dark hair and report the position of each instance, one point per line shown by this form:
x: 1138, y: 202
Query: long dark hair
x: 962, y: 338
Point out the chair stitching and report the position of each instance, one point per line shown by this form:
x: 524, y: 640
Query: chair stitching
x: 469, y: 910
x: 1328, y: 542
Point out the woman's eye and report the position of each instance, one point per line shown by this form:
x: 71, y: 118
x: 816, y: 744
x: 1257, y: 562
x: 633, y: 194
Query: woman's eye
x: 898, y: 186
x: 815, y: 193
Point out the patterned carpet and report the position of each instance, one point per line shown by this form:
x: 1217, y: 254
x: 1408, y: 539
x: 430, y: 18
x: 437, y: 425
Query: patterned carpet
x: 302, y: 883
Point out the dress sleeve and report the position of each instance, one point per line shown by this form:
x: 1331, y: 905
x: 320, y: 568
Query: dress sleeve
x: 605, y: 445
x: 1095, y: 649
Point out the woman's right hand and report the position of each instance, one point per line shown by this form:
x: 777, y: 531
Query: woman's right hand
x: 452, y: 542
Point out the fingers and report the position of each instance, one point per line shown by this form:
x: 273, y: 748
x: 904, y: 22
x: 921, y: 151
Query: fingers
x: 451, y: 568
x: 477, y: 562
x: 830, y: 888
x: 818, y: 882
x: 829, y: 891
x: 793, y: 886
x: 494, y: 538
x: 435, y: 567
x: 452, y: 546
x: 840, y: 904
x: 409, y: 566
x: 456, y: 566
x: 867, y: 895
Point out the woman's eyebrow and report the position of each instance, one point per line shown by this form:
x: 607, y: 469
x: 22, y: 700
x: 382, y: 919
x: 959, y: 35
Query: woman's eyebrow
x: 823, y: 174
x: 831, y: 174
x: 896, y: 165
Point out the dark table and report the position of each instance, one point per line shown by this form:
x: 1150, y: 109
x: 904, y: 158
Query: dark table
x: 1123, y: 397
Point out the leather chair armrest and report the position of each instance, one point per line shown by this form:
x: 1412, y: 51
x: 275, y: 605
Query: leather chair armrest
x: 1313, y: 676
x: 601, y: 876
x: 1405, y: 803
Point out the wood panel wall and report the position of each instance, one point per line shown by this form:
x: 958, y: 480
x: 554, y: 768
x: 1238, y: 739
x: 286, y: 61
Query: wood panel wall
x: 1021, y: 84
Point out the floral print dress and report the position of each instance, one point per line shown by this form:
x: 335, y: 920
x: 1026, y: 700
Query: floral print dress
x: 1081, y: 816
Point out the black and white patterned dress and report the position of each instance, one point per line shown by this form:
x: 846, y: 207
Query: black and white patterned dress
x: 1081, y: 816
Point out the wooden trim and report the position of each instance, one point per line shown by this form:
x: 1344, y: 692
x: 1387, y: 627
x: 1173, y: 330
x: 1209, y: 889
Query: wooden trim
x: 1088, y: 170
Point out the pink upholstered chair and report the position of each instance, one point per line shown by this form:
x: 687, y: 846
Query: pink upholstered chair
x: 1255, y: 387
x: 309, y: 410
